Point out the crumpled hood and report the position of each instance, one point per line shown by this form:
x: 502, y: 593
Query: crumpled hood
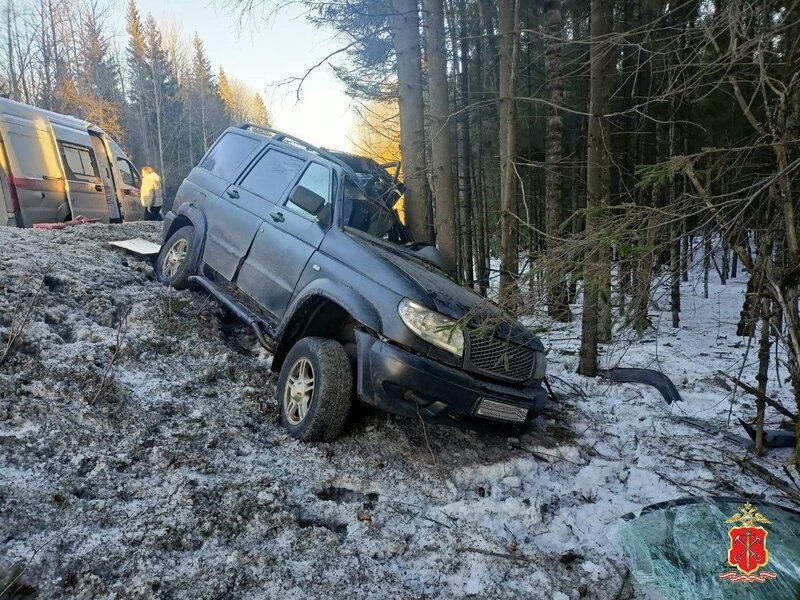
x: 455, y: 301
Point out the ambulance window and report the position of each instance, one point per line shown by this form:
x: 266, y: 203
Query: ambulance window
x: 79, y: 162
x: 32, y: 155
x: 129, y: 174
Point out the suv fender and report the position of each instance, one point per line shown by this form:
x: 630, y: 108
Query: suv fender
x: 304, y: 309
x: 187, y: 214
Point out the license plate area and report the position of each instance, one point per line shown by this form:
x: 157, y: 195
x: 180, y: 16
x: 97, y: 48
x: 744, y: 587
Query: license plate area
x: 501, y: 411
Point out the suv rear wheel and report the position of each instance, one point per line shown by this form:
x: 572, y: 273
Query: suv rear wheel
x: 315, y: 390
x: 172, y: 266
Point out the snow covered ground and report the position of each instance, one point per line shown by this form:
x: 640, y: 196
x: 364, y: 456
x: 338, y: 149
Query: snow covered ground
x: 173, y: 478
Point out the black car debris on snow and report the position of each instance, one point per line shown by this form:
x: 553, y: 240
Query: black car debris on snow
x: 304, y: 246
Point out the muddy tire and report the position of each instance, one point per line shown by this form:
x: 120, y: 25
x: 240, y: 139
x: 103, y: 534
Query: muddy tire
x: 173, y: 266
x: 315, y: 390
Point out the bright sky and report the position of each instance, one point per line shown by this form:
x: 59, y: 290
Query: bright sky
x: 262, y: 51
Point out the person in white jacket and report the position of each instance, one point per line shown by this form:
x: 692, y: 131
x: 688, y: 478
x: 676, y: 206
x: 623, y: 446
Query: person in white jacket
x: 151, y: 196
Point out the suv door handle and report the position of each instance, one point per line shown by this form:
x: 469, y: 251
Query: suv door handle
x: 277, y: 217
x: 233, y: 193
x: 98, y: 187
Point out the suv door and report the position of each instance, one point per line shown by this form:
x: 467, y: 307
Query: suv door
x: 232, y: 221
x: 286, y: 241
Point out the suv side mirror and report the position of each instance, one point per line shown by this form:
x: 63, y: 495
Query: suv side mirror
x: 309, y: 201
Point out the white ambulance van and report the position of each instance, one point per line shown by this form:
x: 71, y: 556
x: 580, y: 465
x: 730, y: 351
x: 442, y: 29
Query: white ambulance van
x: 55, y: 167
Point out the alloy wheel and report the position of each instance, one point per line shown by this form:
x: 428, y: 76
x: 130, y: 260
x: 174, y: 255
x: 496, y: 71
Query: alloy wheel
x: 298, y: 391
x: 175, y: 257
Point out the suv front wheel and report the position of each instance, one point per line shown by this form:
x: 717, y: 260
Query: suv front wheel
x: 173, y: 266
x: 315, y: 390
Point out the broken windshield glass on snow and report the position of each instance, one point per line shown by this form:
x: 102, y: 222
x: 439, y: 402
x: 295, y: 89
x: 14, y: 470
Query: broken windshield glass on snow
x: 678, y: 550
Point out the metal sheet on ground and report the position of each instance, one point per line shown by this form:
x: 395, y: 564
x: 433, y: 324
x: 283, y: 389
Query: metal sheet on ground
x: 138, y: 246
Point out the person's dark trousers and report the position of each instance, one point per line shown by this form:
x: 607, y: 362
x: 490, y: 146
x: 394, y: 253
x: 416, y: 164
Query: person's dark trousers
x: 152, y: 214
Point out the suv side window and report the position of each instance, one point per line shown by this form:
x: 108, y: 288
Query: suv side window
x: 227, y: 156
x: 317, y: 178
x: 272, y: 174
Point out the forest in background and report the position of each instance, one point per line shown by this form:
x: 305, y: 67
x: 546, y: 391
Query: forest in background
x: 586, y: 152
x: 156, y: 93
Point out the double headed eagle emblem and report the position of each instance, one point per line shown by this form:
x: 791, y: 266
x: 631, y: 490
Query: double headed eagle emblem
x: 748, y: 516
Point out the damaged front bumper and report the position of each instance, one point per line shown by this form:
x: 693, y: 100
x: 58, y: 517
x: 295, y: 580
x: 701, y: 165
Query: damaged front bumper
x: 404, y: 383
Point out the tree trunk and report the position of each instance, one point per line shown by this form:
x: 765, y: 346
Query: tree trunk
x: 468, y: 200
x: 441, y: 152
x: 157, y: 104
x: 706, y: 258
x: 596, y: 190
x: 479, y: 212
x: 599, y: 103
x: 674, y: 227
x: 725, y: 266
x: 404, y: 24
x: 675, y: 274
x: 507, y: 58
x: 763, y: 373
x: 12, y: 75
x: 557, y: 305
x: 643, y: 273
x: 685, y: 251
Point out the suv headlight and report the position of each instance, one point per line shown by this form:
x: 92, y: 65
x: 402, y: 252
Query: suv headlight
x: 432, y: 326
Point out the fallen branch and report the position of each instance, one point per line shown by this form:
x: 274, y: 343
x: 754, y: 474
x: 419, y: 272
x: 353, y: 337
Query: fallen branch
x: 791, y: 477
x: 765, y: 475
x: 122, y: 331
x: 15, y: 332
x: 430, y: 449
x: 578, y: 391
x: 760, y: 395
x: 393, y: 506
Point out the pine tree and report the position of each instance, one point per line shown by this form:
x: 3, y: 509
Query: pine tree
x: 260, y: 114
x: 508, y: 67
x: 157, y: 61
x: 98, y: 77
x: 139, y: 77
x: 226, y: 93
x: 203, y: 85
x: 441, y: 151
x: 596, y: 186
x: 163, y: 100
x: 557, y: 305
x: 404, y: 24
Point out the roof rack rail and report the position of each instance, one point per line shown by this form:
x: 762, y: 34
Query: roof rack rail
x: 280, y: 136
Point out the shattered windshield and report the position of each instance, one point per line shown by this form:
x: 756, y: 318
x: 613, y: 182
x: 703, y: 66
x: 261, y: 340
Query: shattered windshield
x: 371, y: 215
x: 679, y: 550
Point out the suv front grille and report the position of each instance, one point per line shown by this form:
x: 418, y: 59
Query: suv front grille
x: 494, y: 356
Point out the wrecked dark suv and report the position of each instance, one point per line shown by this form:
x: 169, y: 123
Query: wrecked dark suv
x: 302, y: 244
